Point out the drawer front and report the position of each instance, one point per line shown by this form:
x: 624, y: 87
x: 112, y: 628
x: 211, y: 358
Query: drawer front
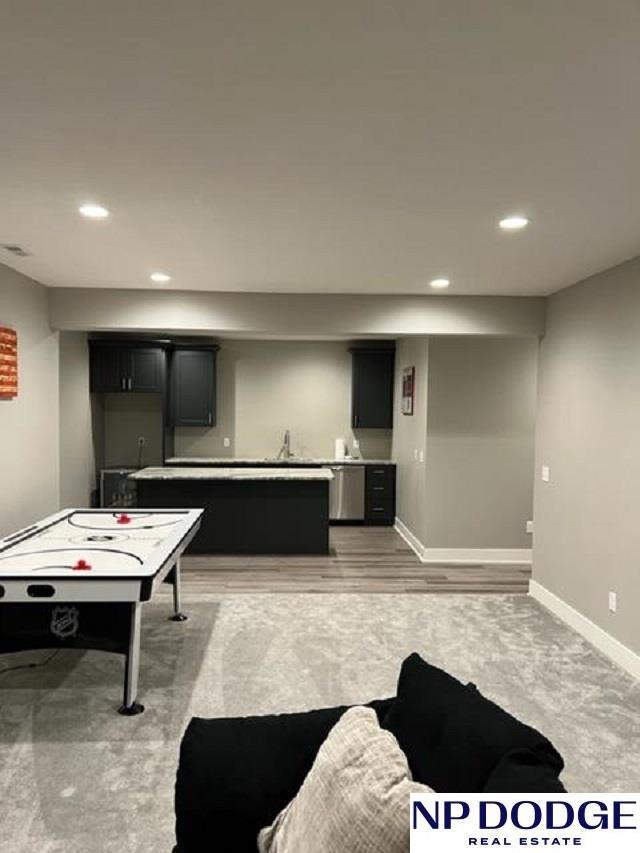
x: 381, y: 472
x: 380, y: 490
x: 379, y: 512
x: 379, y: 506
x: 380, y: 479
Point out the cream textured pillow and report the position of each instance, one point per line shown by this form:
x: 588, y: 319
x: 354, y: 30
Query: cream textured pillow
x: 355, y: 798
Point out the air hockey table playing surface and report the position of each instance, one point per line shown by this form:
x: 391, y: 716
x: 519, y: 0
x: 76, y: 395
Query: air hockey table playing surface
x: 78, y: 579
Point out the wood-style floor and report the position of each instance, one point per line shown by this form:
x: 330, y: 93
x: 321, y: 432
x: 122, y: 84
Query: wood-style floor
x: 362, y: 559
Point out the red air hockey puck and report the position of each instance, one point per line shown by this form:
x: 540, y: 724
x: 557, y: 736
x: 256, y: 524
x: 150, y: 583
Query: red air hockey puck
x: 123, y: 518
x: 81, y: 566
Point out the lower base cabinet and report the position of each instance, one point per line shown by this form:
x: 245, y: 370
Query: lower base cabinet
x: 380, y: 494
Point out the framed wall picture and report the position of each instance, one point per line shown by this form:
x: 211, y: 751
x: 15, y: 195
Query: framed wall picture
x: 8, y: 363
x: 408, y: 389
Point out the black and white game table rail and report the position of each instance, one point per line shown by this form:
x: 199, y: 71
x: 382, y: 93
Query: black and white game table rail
x: 78, y: 579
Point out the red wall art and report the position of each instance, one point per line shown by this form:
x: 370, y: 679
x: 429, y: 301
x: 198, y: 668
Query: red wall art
x: 408, y: 389
x: 8, y: 363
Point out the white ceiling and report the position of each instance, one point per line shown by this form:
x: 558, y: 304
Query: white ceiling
x: 320, y: 145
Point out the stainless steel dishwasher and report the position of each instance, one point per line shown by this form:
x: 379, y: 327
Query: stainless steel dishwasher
x: 346, y: 493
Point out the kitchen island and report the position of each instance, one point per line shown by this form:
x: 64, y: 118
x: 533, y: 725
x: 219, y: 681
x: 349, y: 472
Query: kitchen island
x: 246, y: 510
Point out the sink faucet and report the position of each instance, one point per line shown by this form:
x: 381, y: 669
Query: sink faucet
x: 285, y: 450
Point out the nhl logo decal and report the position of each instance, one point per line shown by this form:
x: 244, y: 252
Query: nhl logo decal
x: 65, y: 622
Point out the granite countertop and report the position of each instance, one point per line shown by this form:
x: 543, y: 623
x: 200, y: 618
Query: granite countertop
x: 232, y: 474
x: 294, y: 460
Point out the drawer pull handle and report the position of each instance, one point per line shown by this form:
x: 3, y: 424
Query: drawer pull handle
x: 378, y: 488
x: 378, y: 470
x: 378, y: 509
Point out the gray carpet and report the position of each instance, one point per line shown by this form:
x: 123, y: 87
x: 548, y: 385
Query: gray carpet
x: 76, y: 777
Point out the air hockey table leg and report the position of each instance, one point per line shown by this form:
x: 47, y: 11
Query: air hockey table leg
x: 132, y: 666
x: 178, y: 615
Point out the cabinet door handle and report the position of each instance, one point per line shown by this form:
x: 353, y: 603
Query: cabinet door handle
x: 130, y: 384
x: 378, y: 488
x: 210, y: 418
x: 378, y: 470
x: 123, y: 384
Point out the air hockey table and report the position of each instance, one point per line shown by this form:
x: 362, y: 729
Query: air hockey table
x: 78, y: 579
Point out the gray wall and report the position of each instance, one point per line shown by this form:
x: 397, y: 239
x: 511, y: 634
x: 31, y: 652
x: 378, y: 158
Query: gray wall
x: 29, y: 423
x: 474, y: 418
x: 480, y: 442
x: 410, y: 437
x: 77, y: 467
x: 126, y: 418
x: 266, y: 387
x: 587, y: 534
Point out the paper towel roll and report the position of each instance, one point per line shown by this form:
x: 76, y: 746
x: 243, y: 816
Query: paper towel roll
x: 339, y: 448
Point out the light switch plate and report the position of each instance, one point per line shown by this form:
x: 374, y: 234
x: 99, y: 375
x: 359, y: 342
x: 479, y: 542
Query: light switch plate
x: 546, y: 474
x: 226, y: 442
x: 421, y: 456
x: 613, y: 602
x: 529, y: 526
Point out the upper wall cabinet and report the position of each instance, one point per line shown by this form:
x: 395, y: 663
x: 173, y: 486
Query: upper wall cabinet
x: 125, y: 368
x: 193, y: 387
x: 372, y: 388
x: 147, y: 369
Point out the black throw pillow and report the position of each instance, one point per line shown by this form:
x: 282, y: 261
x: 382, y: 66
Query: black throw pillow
x: 236, y: 774
x: 523, y: 770
x: 452, y: 735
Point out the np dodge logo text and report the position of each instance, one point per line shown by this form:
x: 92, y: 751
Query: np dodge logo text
x: 528, y: 814
x: 597, y: 823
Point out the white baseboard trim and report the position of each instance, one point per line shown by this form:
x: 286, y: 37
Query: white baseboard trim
x: 598, y: 637
x: 411, y: 540
x: 462, y: 556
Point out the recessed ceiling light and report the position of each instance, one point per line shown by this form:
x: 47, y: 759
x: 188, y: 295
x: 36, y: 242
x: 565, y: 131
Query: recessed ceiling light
x: 439, y: 283
x: 94, y: 211
x: 513, y: 223
x: 160, y: 277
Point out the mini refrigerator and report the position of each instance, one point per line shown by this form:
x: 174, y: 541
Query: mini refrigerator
x: 116, y: 489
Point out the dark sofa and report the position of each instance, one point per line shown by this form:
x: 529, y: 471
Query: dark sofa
x: 236, y: 774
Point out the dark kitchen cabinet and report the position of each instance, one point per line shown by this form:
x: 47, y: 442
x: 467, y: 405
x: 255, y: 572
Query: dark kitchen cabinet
x: 122, y: 368
x: 380, y: 494
x: 193, y: 387
x: 106, y: 369
x: 372, y: 388
x: 146, y: 369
